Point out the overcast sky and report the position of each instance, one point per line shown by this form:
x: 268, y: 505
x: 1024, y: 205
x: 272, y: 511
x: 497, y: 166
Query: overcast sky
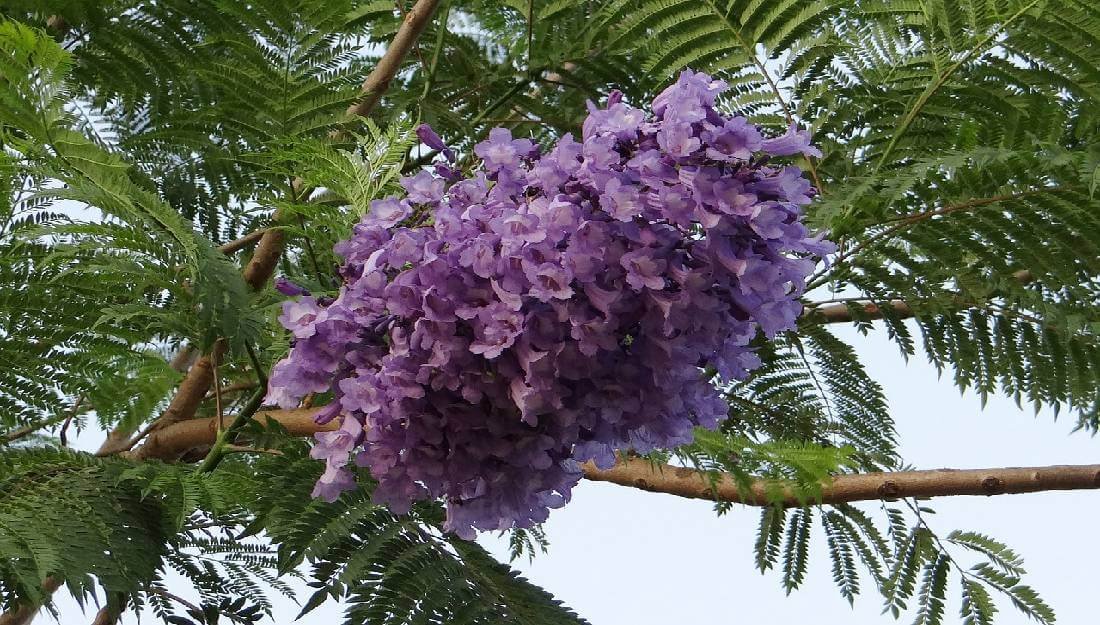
x: 619, y: 555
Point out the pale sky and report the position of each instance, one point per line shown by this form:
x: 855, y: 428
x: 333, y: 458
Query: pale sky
x: 622, y: 556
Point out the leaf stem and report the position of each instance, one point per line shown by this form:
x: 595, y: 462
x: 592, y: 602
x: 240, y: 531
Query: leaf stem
x: 224, y: 438
x: 440, y: 36
x: 940, y: 81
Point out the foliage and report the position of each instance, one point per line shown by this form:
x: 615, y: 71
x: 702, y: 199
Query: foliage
x: 126, y: 527
x: 62, y: 512
x: 960, y: 177
x: 389, y: 569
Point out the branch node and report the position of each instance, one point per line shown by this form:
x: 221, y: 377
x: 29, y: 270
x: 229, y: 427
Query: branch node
x: 889, y: 490
x: 993, y: 485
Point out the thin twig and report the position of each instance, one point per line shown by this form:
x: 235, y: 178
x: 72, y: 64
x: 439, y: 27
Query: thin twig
x: 440, y: 36
x: 240, y: 449
x: 218, y: 394
x: 180, y: 600
x: 224, y: 437
x: 65, y: 426
x: 233, y: 388
x: 530, y: 30
x: 190, y: 606
x: 904, y: 221
x: 311, y: 254
x: 31, y: 428
x: 941, y: 80
x: 750, y: 51
x: 261, y: 375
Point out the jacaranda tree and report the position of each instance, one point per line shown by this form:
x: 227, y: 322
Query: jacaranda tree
x: 343, y: 284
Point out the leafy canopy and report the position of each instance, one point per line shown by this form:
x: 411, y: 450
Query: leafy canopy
x: 960, y: 172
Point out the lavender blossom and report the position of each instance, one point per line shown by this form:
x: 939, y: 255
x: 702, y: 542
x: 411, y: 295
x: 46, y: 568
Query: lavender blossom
x: 288, y: 288
x: 552, y: 310
x: 429, y: 138
x: 794, y: 142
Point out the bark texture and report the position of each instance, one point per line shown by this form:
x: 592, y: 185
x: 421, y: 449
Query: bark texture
x: 173, y: 440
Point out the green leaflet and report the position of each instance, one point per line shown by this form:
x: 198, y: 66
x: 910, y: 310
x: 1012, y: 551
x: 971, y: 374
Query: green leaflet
x: 64, y: 515
x: 389, y: 569
x: 908, y: 563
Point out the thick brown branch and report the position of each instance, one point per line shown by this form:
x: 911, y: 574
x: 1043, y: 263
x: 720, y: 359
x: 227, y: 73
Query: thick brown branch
x: 414, y: 23
x: 172, y: 441
x: 58, y: 24
x: 683, y: 482
x: 193, y: 388
x: 247, y: 240
x: 694, y: 484
x: 25, y: 614
x: 107, y: 615
x: 120, y: 438
x: 842, y: 313
x: 117, y: 440
x: 270, y: 246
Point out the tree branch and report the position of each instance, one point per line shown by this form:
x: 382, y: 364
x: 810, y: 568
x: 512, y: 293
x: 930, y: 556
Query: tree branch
x: 107, y: 615
x: 247, y: 240
x: 58, y: 24
x: 167, y: 595
x: 172, y: 441
x: 24, y: 614
x: 235, y: 387
x: 693, y: 484
x: 904, y: 221
x: 736, y: 28
x: 414, y: 23
x: 922, y: 100
x: 119, y: 439
x: 25, y: 431
x: 841, y: 313
x: 31, y: 428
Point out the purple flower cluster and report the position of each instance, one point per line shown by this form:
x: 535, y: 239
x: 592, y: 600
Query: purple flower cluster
x: 494, y: 331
